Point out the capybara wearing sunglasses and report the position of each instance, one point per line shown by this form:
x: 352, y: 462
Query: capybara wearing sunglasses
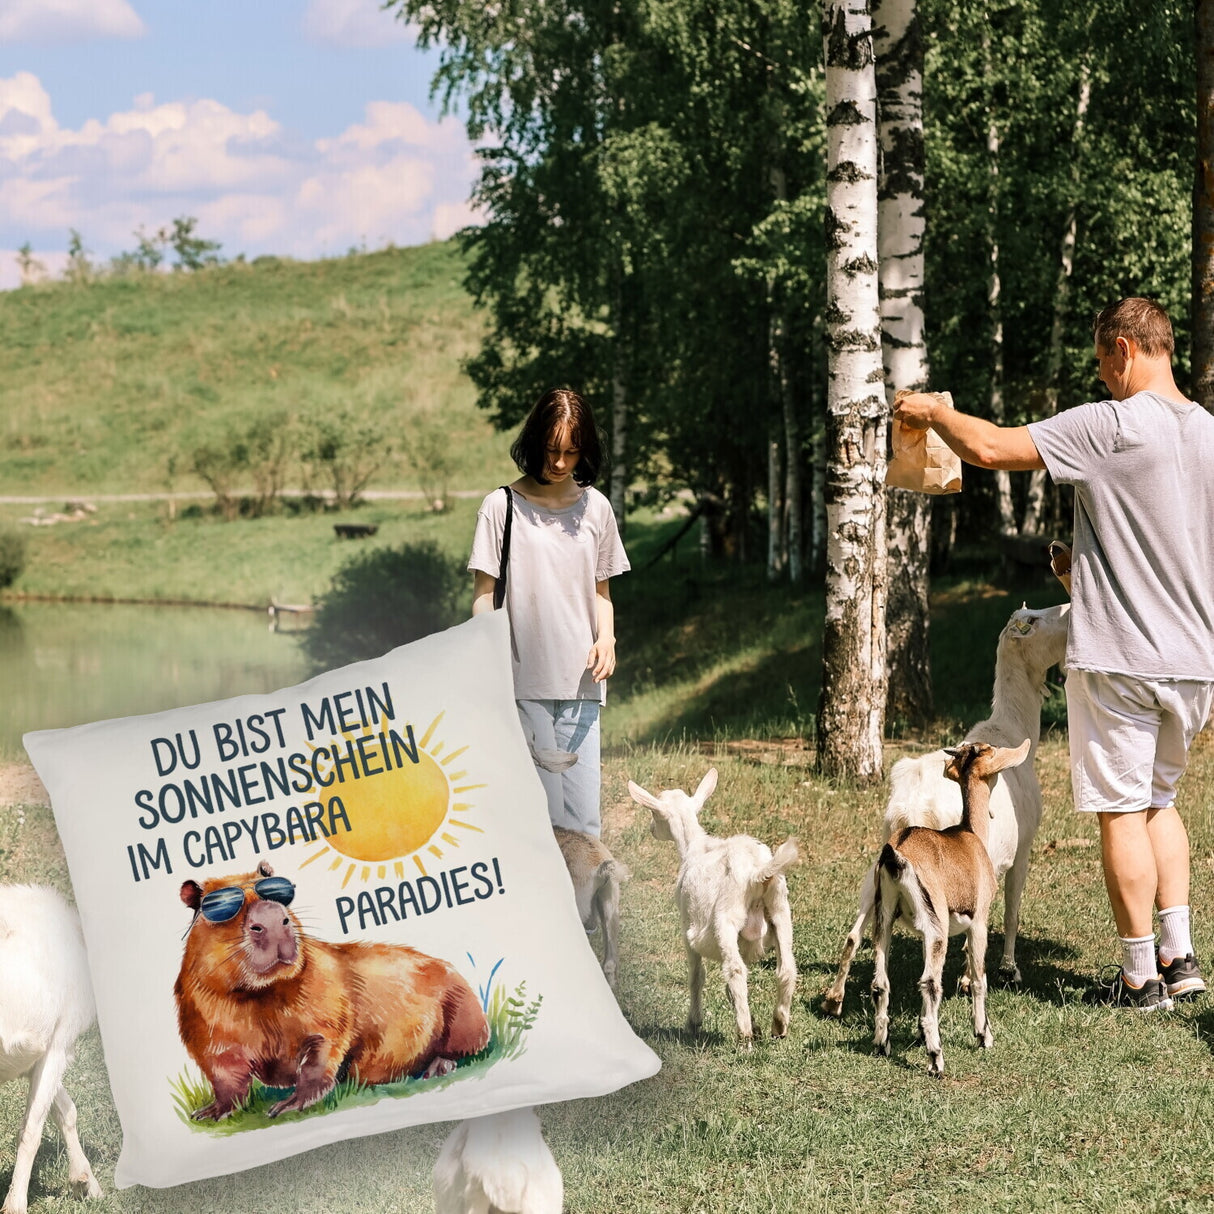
x: 259, y: 998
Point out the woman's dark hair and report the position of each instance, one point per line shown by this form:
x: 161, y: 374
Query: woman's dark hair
x: 556, y: 409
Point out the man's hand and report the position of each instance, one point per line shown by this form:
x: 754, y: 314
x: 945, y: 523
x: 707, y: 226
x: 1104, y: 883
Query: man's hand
x: 916, y: 409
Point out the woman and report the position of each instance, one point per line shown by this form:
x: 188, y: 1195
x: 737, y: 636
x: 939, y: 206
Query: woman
x: 564, y: 547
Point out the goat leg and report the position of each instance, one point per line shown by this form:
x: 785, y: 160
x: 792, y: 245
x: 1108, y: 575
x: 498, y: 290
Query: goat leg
x: 80, y: 1174
x: 1013, y: 888
x: 932, y: 985
x: 977, y: 957
x: 883, y: 930
x: 832, y: 1001
x: 736, y: 988
x: 786, y: 965
x: 45, y: 1079
x: 695, y: 981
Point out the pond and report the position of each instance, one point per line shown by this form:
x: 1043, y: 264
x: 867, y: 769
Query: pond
x: 69, y: 663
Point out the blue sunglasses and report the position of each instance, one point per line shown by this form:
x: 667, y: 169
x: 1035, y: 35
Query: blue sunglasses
x: 220, y: 905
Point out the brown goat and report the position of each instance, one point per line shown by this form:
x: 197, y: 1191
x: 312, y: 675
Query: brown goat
x: 940, y: 883
x: 596, y: 875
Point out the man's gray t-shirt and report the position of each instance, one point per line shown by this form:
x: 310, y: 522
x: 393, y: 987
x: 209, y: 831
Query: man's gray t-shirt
x: 556, y: 557
x: 1142, y: 574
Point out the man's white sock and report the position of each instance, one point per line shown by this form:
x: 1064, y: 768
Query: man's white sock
x: 1174, y: 938
x: 1138, y: 958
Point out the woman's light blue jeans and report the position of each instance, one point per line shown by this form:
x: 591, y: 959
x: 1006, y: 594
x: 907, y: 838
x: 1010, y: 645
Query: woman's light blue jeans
x: 572, y: 727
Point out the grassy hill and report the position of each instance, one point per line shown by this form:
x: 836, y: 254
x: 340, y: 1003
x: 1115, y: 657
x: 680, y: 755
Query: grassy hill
x: 108, y: 386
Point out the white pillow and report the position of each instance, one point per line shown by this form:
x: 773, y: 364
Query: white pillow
x: 429, y: 902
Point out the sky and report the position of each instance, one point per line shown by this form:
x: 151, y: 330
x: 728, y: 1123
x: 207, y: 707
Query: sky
x: 300, y: 128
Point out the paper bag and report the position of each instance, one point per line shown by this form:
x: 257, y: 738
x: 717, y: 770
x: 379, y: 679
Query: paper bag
x: 921, y: 459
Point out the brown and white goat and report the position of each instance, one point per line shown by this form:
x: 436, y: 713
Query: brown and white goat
x: 733, y: 901
x: 596, y: 875
x: 919, y: 795
x: 941, y: 883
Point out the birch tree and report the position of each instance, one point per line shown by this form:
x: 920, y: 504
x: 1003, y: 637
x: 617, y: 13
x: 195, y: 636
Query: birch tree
x: 852, y: 705
x: 899, y: 65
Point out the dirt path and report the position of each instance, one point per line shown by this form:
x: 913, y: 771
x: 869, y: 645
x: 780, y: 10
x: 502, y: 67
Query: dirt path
x: 19, y: 785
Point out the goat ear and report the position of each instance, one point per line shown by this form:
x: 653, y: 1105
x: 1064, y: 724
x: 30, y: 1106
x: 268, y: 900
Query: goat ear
x: 641, y: 797
x: 706, y: 787
x: 1008, y: 756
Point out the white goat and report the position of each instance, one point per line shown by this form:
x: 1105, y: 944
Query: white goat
x: 596, y: 875
x: 498, y: 1165
x: 46, y: 1002
x: 940, y: 883
x: 1030, y: 643
x: 733, y: 900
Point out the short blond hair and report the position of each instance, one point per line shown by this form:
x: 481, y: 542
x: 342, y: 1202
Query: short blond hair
x: 1141, y: 320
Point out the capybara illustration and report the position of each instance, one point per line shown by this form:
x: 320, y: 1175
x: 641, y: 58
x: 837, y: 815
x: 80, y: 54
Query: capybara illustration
x: 257, y: 997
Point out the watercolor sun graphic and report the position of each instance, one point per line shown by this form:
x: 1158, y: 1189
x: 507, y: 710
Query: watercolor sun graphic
x: 404, y: 814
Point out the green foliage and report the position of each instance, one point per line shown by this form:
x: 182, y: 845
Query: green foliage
x: 343, y: 450
x: 13, y: 552
x: 79, y: 270
x: 431, y: 453
x: 382, y: 598
x: 191, y: 251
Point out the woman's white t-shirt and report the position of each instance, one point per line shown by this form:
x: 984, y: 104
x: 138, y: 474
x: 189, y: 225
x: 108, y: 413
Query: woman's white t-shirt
x: 556, y: 557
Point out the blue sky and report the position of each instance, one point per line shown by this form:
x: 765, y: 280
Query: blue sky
x: 297, y: 127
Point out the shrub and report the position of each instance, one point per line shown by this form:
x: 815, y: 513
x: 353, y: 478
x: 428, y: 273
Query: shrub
x: 12, y: 557
x: 384, y: 598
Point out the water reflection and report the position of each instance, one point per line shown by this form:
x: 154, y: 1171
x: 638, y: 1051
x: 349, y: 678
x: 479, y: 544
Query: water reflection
x: 68, y: 663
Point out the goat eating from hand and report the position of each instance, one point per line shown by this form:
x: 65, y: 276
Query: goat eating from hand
x: 733, y: 901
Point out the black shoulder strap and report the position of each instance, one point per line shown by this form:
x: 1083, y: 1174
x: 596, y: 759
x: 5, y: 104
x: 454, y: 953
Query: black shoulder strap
x: 499, y: 588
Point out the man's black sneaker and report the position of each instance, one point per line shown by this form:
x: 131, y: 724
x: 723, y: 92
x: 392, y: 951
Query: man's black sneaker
x: 1182, y: 977
x: 1151, y: 996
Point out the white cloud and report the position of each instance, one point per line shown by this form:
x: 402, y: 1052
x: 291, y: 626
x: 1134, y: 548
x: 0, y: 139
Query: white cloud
x: 355, y: 23
x: 68, y: 20
x: 395, y: 177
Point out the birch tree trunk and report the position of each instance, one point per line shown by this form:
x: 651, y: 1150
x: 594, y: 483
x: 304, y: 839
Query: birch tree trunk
x: 899, y: 66
x: 1003, y: 482
x: 852, y: 706
x: 1062, y: 292
x: 1203, y: 211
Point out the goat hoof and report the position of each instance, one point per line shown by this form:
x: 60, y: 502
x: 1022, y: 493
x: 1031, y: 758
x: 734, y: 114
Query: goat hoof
x: 85, y: 1185
x: 963, y: 986
x: 832, y: 1006
x: 881, y: 1049
x: 986, y: 1038
x: 1009, y: 975
x: 936, y: 1066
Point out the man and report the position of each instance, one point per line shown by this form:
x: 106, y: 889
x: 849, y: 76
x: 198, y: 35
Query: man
x: 1140, y: 655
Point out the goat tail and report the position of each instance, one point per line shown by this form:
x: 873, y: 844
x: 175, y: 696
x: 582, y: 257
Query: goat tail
x: 787, y: 854
x: 892, y: 862
x: 610, y: 871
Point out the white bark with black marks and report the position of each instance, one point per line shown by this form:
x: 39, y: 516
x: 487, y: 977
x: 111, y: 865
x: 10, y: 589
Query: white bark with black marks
x: 852, y: 705
x: 899, y: 62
